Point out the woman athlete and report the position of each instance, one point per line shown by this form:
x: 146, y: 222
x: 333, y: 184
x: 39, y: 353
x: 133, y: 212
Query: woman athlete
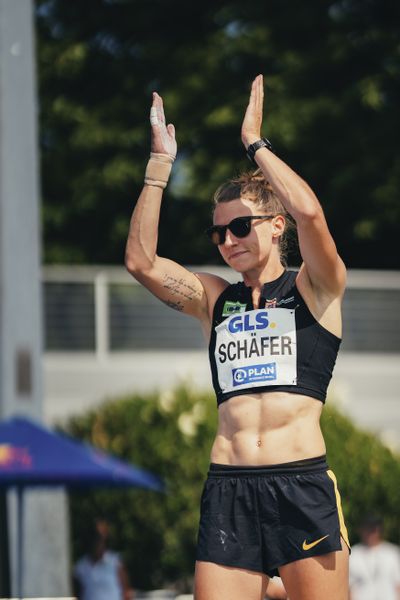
x: 270, y: 504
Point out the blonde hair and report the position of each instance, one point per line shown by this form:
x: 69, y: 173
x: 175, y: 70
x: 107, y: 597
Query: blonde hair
x: 254, y: 187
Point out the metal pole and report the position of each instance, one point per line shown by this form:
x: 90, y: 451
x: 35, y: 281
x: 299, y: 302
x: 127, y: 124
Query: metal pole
x: 21, y: 383
x: 5, y: 582
x: 20, y: 541
x: 101, y: 315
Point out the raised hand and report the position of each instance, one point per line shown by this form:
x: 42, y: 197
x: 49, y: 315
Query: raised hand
x: 251, y: 126
x: 162, y: 136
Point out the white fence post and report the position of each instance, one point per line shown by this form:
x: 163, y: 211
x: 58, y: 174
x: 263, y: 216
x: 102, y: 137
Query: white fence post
x: 101, y: 312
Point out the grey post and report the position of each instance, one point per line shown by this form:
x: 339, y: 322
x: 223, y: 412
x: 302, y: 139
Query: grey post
x: 21, y: 386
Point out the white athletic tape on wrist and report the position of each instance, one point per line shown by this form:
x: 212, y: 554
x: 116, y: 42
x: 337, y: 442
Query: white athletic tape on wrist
x: 158, y: 169
x: 153, y: 116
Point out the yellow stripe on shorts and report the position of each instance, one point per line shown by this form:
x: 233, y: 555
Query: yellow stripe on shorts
x: 343, y: 528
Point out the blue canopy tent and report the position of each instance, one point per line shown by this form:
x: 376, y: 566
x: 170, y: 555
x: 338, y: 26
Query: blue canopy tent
x: 31, y: 455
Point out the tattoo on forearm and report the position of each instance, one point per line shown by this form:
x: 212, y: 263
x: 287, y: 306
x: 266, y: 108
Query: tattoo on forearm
x: 175, y: 305
x: 179, y: 287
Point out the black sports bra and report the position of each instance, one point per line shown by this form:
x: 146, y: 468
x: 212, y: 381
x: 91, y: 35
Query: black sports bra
x: 276, y: 347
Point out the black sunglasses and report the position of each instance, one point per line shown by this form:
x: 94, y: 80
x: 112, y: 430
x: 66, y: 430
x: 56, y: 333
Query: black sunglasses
x: 240, y: 227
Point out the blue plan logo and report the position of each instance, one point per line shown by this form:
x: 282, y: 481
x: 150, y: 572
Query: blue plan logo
x: 254, y: 374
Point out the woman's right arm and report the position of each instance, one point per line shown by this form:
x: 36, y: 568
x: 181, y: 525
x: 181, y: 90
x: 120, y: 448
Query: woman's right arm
x: 174, y: 285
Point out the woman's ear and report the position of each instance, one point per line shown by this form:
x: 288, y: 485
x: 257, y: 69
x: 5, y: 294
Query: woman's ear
x: 278, y: 226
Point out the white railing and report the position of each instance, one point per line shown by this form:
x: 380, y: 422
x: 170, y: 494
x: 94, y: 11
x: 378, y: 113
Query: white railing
x: 102, y: 309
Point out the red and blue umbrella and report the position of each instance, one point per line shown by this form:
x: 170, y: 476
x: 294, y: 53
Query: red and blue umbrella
x: 32, y: 455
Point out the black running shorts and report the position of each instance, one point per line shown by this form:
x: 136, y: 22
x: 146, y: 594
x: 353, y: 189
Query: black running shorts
x: 260, y: 518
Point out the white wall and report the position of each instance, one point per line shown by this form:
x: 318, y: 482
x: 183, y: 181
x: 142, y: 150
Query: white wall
x: 364, y: 386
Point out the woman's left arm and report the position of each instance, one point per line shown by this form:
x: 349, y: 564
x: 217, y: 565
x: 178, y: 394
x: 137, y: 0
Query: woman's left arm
x: 325, y: 268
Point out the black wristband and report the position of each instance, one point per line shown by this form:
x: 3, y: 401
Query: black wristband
x: 252, y: 149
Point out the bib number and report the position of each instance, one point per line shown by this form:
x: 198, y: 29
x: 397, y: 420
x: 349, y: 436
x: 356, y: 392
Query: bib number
x: 257, y: 348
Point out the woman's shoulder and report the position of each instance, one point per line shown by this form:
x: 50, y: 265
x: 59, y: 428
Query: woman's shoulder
x: 324, y: 307
x: 212, y: 281
x: 214, y: 285
x: 216, y: 288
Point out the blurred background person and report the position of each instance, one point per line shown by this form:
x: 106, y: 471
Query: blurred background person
x: 374, y: 564
x: 100, y: 574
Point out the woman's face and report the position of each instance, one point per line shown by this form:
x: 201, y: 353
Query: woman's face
x: 254, y: 250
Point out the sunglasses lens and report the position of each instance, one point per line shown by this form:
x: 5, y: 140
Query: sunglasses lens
x: 240, y: 227
x: 218, y: 236
x: 216, y: 233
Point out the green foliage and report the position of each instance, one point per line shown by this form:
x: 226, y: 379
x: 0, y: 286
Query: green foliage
x: 367, y: 471
x: 171, y: 434
x: 332, y: 94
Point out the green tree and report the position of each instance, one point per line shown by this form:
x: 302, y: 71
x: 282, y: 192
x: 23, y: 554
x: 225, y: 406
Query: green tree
x: 332, y: 81
x: 171, y: 434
